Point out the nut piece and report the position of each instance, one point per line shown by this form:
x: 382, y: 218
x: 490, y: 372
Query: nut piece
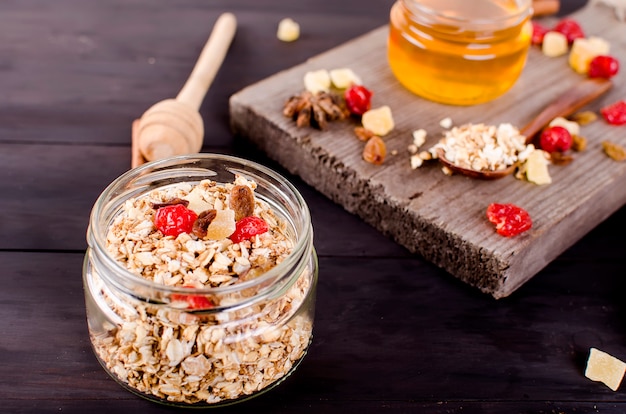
x: 605, y: 368
x: 288, y: 30
x: 317, y: 81
x: 379, y: 120
x: 363, y: 134
x: 343, y: 78
x: 554, y: 44
x: 584, y: 50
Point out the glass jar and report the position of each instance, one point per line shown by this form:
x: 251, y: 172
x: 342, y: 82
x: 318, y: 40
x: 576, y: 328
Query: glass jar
x: 459, y: 52
x: 237, y: 340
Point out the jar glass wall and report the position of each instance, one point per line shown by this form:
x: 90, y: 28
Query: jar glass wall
x: 456, y: 51
x: 214, y: 344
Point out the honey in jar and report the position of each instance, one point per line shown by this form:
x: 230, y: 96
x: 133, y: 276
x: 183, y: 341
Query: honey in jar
x: 459, y: 52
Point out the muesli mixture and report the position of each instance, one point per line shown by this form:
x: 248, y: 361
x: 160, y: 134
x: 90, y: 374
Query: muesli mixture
x: 175, y: 353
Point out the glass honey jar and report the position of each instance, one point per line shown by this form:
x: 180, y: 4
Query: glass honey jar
x: 459, y: 52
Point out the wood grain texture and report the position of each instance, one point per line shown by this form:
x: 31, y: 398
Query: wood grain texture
x: 393, y: 333
x: 440, y: 217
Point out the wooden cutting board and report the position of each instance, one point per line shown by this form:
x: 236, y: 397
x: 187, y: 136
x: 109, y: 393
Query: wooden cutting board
x: 441, y: 217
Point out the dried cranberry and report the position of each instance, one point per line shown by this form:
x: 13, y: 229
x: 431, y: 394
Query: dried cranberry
x: 193, y: 301
x: 248, y: 227
x: 539, y: 32
x: 570, y: 29
x: 510, y: 220
x: 603, y: 67
x: 358, y: 99
x: 555, y: 138
x: 615, y: 114
x: 174, y: 219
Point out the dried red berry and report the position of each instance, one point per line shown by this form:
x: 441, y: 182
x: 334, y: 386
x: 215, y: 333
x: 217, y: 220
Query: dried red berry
x: 193, y: 301
x: 248, y: 227
x: 172, y: 220
x: 510, y: 220
x: 603, y: 67
x: 570, y: 28
x: 555, y: 138
x: 615, y: 114
x: 358, y: 99
x: 539, y: 32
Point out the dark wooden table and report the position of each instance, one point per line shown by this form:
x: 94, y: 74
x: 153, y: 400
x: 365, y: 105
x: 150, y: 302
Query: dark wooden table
x: 393, y: 333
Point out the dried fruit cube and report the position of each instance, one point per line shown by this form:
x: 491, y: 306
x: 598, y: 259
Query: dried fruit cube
x: 379, y: 120
x: 317, y: 81
x: 554, y: 44
x: 536, y: 168
x: 288, y: 30
x: 343, y: 78
x: 222, y: 226
x: 584, y: 50
x: 605, y: 368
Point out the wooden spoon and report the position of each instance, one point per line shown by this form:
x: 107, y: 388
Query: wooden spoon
x: 566, y: 104
x: 174, y: 126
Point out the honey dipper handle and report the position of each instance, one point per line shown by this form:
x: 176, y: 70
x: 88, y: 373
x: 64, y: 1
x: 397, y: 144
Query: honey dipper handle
x: 572, y: 100
x: 209, y: 61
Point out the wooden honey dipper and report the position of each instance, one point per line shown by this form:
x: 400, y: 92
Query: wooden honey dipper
x: 174, y: 126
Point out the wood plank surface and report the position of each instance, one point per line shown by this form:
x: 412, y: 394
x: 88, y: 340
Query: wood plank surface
x: 440, y: 217
x: 393, y: 332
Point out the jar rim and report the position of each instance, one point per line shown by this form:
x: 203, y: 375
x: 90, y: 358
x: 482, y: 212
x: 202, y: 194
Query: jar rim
x: 96, y: 232
x: 524, y: 10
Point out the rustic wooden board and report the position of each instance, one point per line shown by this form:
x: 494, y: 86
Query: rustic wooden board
x: 441, y: 217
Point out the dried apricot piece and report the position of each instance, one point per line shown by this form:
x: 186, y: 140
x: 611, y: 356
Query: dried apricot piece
x: 222, y: 226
